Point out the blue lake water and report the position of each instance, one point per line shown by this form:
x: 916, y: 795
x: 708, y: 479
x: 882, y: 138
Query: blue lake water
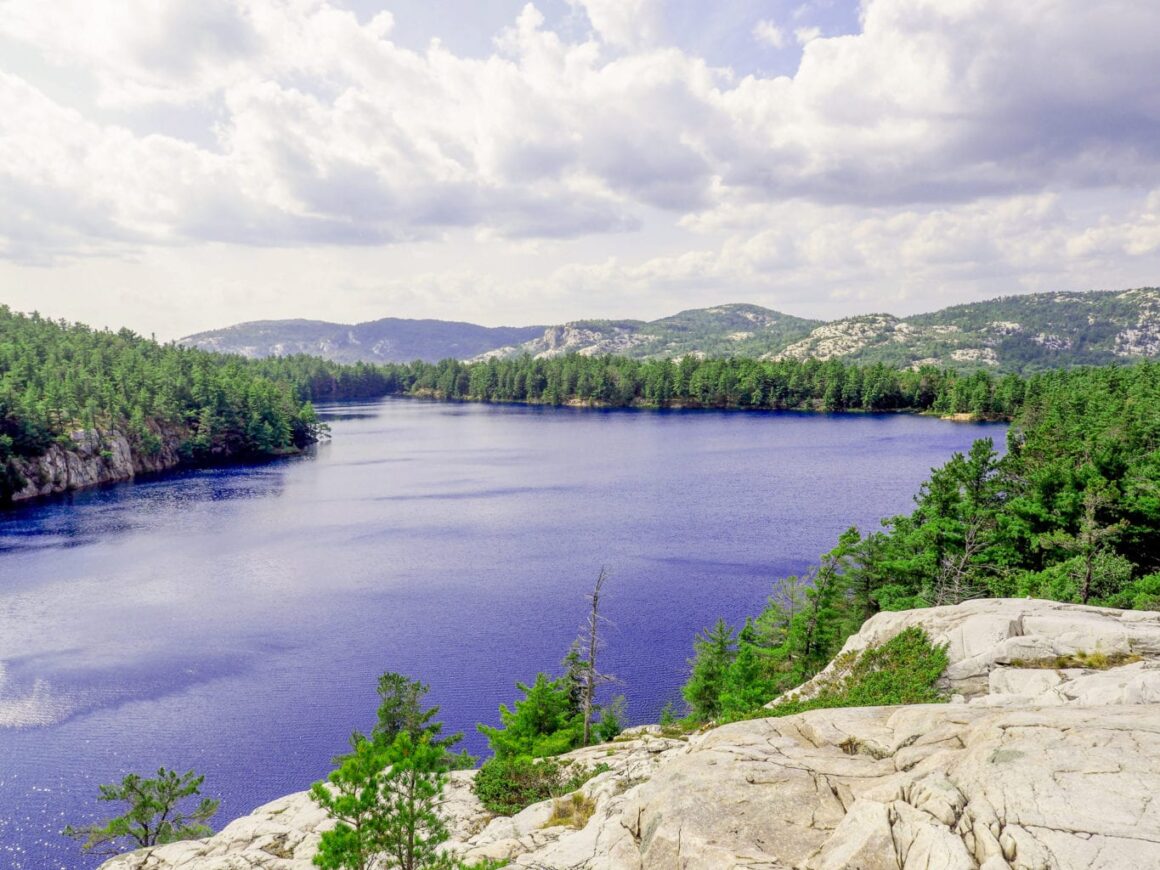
x: 235, y: 620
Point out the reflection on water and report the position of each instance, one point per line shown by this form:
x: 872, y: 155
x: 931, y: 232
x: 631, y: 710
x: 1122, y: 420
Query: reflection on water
x: 80, y: 518
x: 235, y: 620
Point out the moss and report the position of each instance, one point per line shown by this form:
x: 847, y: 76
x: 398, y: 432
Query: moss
x: 279, y: 847
x: 1093, y: 661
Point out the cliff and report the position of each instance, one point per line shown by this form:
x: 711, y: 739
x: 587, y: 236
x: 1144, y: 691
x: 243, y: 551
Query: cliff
x: 1047, y: 756
x: 93, y: 458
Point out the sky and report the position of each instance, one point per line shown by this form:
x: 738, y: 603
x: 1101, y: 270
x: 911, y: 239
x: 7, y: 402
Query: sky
x: 180, y: 165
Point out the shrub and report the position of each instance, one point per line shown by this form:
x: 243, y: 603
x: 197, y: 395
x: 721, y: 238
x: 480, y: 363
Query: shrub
x: 507, y: 785
x: 612, y: 718
x: 1141, y: 594
x: 153, y: 813
x: 544, y: 722
x: 904, y: 670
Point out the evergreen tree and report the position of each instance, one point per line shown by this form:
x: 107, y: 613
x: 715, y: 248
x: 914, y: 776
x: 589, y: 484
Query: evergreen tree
x: 153, y: 815
x: 384, y: 798
x: 401, y: 710
x: 544, y: 722
x: 714, y: 652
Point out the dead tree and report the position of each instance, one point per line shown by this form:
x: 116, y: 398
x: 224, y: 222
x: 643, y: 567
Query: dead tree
x: 589, y: 641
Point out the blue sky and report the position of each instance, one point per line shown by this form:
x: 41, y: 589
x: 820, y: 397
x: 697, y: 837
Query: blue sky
x: 174, y: 166
x: 721, y: 32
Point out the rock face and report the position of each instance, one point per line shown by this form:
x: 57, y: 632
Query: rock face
x: 93, y: 458
x: 988, y: 639
x: 1030, y: 767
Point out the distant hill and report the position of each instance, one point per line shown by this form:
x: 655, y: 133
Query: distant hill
x: 391, y: 339
x: 1014, y: 333
x: 724, y: 330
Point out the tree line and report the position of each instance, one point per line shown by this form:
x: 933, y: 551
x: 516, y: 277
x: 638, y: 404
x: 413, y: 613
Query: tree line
x: 1070, y: 513
x: 57, y: 378
x: 732, y: 382
x: 690, y: 382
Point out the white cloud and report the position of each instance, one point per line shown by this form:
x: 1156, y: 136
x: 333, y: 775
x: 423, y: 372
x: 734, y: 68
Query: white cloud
x: 624, y: 23
x: 768, y: 33
x: 903, y: 147
x: 806, y: 35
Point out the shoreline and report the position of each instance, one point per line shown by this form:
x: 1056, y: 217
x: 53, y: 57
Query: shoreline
x: 597, y: 404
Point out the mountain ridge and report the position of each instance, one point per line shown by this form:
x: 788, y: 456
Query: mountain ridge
x: 1010, y: 333
x: 388, y: 339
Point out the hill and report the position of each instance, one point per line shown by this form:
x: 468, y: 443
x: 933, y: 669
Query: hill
x: 1013, y: 333
x: 391, y: 339
x: 723, y: 330
x: 80, y: 406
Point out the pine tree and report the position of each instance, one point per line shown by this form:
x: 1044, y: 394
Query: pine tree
x: 385, y: 800
x: 154, y: 815
x: 714, y: 651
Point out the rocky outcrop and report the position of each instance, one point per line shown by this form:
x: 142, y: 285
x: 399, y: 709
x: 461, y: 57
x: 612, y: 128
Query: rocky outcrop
x: 1048, y: 757
x: 940, y: 786
x: 284, y: 834
x: 992, y: 641
x: 90, y: 458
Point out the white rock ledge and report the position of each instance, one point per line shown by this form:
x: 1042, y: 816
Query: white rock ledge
x: 1035, y: 768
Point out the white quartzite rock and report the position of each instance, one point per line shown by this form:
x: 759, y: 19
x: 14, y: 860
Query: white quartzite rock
x: 994, y: 632
x: 1036, y: 769
x: 93, y: 458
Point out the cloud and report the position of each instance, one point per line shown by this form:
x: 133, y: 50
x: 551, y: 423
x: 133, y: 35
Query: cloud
x: 806, y: 35
x: 769, y: 33
x: 624, y: 23
x: 905, y: 146
x: 139, y: 51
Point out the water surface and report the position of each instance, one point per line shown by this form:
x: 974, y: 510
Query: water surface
x: 235, y: 620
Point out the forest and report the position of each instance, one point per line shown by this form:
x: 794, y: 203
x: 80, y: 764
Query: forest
x: 691, y: 382
x: 57, y: 378
x: 1070, y: 513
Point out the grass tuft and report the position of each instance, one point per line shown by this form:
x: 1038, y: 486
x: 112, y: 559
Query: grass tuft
x: 573, y: 811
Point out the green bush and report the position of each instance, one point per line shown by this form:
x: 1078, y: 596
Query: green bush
x: 507, y: 785
x: 612, y: 719
x: 1063, y: 581
x: 904, y: 670
x: 546, y: 721
x: 1141, y: 594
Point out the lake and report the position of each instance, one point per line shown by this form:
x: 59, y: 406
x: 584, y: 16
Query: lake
x: 235, y: 620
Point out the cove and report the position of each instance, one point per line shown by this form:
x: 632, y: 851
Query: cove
x: 235, y: 620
